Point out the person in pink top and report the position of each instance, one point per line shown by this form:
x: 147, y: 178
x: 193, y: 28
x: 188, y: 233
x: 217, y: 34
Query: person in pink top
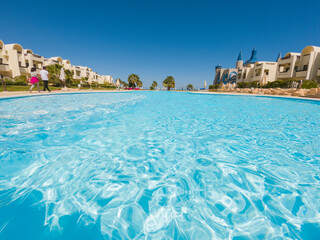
x: 34, y: 79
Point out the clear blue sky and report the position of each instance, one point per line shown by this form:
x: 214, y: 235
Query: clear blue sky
x: 154, y: 39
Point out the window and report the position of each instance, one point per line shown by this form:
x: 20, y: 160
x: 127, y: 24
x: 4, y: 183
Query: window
x: 266, y: 72
x: 1, y: 60
x: 305, y: 67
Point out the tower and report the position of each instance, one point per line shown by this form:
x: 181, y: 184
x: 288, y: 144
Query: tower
x: 218, y: 67
x: 253, y: 58
x: 239, y: 63
x: 279, y: 56
x: 218, y: 73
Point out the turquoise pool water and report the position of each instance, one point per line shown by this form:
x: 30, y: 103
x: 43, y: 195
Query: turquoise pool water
x: 159, y: 165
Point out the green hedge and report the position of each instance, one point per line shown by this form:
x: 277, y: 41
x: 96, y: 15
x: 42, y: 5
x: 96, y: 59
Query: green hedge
x: 248, y: 84
x: 307, y: 84
x: 19, y: 81
x: 279, y: 84
x: 106, y: 85
x: 215, y: 86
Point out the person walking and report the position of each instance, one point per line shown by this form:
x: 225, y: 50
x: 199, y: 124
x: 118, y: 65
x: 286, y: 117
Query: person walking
x: 45, y: 78
x: 34, y: 79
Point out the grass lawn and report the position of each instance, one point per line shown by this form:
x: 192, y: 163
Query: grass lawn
x: 13, y: 88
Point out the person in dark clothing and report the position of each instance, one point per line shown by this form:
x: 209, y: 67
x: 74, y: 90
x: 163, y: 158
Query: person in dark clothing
x: 45, y: 78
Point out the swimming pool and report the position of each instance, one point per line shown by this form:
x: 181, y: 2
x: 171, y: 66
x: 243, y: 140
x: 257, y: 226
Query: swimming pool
x: 159, y: 165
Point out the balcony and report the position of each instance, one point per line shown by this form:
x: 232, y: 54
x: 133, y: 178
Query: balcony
x: 301, y: 73
x: 284, y: 74
x: 4, y: 67
x: 286, y: 60
x: 24, y: 70
x: 38, y: 57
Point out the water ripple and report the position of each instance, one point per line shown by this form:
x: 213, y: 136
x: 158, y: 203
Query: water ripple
x: 164, y: 165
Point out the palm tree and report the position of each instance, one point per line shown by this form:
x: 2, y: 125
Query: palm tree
x: 169, y: 83
x: 54, y: 72
x: 69, y: 77
x: 154, y: 85
x: 123, y: 83
x: 134, y: 80
x: 190, y: 87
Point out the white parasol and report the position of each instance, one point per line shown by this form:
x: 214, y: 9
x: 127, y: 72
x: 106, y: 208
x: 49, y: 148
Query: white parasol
x: 62, y: 76
x: 118, y: 82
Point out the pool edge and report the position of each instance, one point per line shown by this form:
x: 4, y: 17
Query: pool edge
x: 259, y: 95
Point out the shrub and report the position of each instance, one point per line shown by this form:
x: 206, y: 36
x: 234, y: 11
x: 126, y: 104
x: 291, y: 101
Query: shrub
x: 248, y: 84
x: 20, y: 80
x: 106, y: 85
x: 307, y: 84
x: 254, y: 84
x: 20, y: 83
x: 214, y: 86
x: 279, y: 84
x: 75, y: 83
x: 8, y: 81
x: 241, y: 85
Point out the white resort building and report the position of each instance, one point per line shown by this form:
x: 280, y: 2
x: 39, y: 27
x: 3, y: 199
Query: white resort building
x: 16, y: 61
x: 293, y: 66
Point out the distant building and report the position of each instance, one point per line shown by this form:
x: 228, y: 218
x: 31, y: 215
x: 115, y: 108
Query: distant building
x: 300, y: 66
x: 16, y: 61
x: 293, y: 66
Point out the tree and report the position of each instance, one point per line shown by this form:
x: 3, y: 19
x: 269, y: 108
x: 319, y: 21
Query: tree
x: 134, y: 81
x: 69, y: 77
x: 123, y: 83
x: 154, y: 85
x: 190, y: 87
x: 4, y: 87
x: 169, y: 82
x: 54, y: 72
